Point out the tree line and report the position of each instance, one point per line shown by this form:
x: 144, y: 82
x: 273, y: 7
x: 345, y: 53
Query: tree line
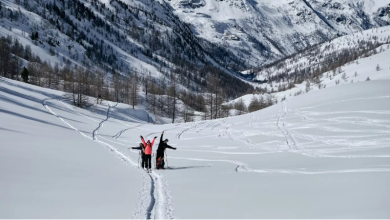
x: 165, y: 97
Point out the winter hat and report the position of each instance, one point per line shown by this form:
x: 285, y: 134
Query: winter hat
x: 148, y: 142
x: 166, y: 140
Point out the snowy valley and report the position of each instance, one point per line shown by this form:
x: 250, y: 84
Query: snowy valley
x: 323, y: 154
x: 278, y: 109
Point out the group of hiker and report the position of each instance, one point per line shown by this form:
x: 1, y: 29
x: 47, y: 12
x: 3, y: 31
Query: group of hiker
x: 146, y: 152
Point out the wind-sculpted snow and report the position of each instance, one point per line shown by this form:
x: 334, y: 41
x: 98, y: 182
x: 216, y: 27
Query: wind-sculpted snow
x: 324, y: 154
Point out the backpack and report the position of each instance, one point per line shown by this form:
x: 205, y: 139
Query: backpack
x: 160, y: 163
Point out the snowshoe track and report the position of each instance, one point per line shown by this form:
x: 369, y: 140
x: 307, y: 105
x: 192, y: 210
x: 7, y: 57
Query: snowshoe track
x: 282, y: 126
x: 161, y: 204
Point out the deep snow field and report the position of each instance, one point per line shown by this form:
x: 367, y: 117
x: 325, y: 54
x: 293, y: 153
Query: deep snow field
x: 323, y: 154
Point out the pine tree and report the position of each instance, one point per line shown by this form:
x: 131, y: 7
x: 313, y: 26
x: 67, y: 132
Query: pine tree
x: 25, y: 75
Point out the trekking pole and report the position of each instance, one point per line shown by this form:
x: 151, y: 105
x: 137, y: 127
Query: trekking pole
x: 139, y: 155
x: 166, y: 158
x: 153, y: 162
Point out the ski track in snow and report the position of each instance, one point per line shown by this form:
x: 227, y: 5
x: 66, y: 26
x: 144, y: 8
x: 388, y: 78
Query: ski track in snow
x: 290, y: 141
x: 161, y: 204
x: 123, y: 131
x: 69, y: 107
x: 60, y: 118
x: 282, y: 126
x: 301, y: 172
x: 242, y: 167
x: 160, y: 207
x: 194, y: 125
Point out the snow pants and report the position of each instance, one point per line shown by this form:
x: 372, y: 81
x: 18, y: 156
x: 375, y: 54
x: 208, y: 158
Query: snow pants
x: 148, y: 161
x: 143, y: 160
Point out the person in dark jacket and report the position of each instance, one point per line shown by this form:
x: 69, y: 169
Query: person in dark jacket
x: 161, y: 151
x: 142, y: 152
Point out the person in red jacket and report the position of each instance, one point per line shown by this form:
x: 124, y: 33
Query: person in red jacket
x: 148, y: 152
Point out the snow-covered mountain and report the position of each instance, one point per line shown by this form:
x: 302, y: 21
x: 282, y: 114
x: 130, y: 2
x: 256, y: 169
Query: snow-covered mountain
x: 158, y: 37
x: 348, y: 59
x: 261, y: 31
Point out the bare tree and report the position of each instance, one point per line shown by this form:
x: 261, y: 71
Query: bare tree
x: 99, y: 83
x: 152, y: 97
x: 134, y: 88
x: 116, y: 84
x: 240, y: 106
x: 254, y: 105
x: 173, y: 93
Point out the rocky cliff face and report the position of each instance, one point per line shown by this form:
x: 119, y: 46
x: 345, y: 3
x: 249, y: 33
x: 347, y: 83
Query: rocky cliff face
x: 269, y: 29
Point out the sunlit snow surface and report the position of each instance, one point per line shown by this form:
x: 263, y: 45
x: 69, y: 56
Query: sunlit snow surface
x: 324, y: 154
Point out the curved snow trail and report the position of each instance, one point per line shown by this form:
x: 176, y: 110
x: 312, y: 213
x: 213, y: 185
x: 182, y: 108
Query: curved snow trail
x: 194, y: 125
x: 203, y: 127
x: 238, y: 163
x: 227, y: 131
x: 152, y: 199
x: 182, y: 132
x: 281, y: 125
x: 317, y: 153
x: 123, y: 131
x: 147, y: 136
x: 61, y: 119
x: 162, y: 207
x: 95, y: 132
x: 252, y: 122
x: 69, y: 107
x: 242, y: 167
x: 372, y: 170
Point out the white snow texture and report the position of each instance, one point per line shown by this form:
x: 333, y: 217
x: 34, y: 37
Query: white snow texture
x: 324, y: 154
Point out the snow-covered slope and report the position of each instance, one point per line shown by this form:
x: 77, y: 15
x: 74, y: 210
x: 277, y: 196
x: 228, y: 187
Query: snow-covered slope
x: 324, y: 154
x: 128, y: 37
x: 373, y: 65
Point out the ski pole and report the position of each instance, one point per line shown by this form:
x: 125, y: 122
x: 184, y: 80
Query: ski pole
x: 166, y: 158
x: 152, y: 161
x: 139, y: 155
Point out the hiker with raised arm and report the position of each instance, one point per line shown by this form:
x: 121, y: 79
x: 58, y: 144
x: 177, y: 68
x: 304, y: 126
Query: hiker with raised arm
x: 142, y: 152
x: 148, y: 153
x: 161, y: 152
